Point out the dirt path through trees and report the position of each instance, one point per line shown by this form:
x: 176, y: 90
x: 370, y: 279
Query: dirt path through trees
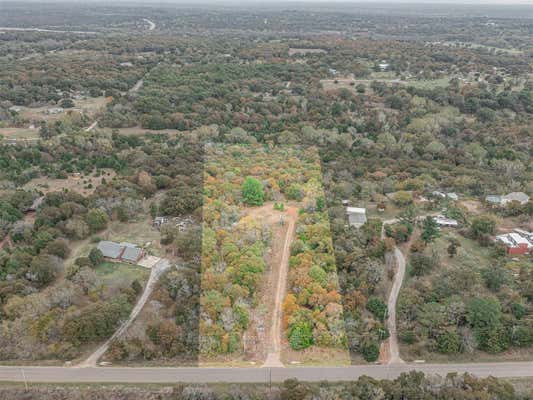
x: 390, y: 350
x: 280, y: 277
x: 266, y: 326
x: 394, y: 350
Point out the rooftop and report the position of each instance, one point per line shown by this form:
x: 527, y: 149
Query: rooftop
x: 355, y: 210
x: 110, y: 249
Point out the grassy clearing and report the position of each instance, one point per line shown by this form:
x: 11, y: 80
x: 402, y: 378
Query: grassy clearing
x: 120, y: 274
x: 351, y: 84
x: 19, y: 133
x: 139, y: 232
x: 139, y: 131
x: 511, y: 51
x: 315, y: 356
x: 83, y: 184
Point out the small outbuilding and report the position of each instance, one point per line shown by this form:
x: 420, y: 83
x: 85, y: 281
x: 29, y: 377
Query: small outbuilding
x: 446, y: 222
x: 35, y: 204
x: 159, y: 221
x: 453, y: 196
x: 493, y: 199
x: 356, y: 216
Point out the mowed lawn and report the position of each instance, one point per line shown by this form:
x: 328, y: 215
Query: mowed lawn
x: 120, y: 275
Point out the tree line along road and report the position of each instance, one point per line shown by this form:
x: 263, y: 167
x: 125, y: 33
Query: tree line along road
x: 251, y: 375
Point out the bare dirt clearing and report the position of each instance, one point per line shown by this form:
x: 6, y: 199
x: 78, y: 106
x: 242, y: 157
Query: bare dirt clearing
x: 90, y: 106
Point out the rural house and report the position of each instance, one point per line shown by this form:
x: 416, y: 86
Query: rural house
x: 450, y: 195
x: 520, y: 197
x: 517, y: 242
x: 131, y: 254
x: 110, y: 250
x: 356, y: 216
x: 126, y: 252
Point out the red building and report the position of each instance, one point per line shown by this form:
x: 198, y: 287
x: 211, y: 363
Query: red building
x: 516, y: 243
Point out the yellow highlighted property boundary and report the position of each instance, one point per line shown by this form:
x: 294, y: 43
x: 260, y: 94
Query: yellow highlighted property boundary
x: 270, y: 290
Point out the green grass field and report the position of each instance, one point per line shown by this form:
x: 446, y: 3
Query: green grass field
x: 120, y: 274
x: 19, y: 133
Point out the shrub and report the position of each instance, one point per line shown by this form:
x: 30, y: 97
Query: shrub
x: 294, y: 192
x: 318, y: 275
x: 408, y: 337
x: 377, y: 307
x: 58, y: 247
x: 482, y: 225
x: 449, y: 343
x: 96, y: 256
x: 402, y: 198
x: 252, y: 192
x: 301, y: 336
x: 421, y: 264
x: 97, y: 219
x: 370, y: 351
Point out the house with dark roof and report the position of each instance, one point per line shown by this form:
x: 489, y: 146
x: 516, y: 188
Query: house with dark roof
x: 110, y: 250
x: 132, y: 255
x: 125, y: 252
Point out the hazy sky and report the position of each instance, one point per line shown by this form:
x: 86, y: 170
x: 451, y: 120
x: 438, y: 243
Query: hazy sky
x: 244, y: 2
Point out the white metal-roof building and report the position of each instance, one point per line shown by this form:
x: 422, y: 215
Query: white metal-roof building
x: 356, y: 216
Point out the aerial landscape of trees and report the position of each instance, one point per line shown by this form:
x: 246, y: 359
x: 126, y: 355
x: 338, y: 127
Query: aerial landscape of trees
x: 318, y: 109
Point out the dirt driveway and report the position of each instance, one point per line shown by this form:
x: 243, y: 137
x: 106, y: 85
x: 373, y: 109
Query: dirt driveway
x: 265, y: 331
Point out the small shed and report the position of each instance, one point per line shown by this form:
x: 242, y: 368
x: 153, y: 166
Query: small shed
x: 159, y: 221
x: 453, y: 196
x: 356, y: 216
x: 35, y: 205
x: 443, y: 221
x: 493, y: 199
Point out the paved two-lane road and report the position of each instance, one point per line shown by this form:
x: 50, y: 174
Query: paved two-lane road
x: 252, y: 375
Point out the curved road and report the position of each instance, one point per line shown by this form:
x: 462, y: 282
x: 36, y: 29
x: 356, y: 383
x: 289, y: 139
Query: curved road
x: 393, y: 356
x: 156, y: 272
x: 252, y: 375
x: 151, y: 25
x: 394, y: 349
